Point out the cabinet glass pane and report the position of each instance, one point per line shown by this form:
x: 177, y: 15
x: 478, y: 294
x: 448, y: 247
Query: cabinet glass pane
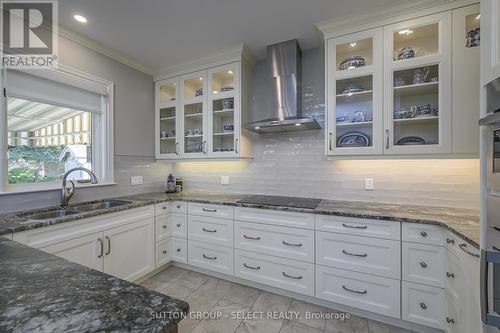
x: 416, y: 106
x: 223, y: 125
x: 354, y: 112
x: 167, y: 130
x: 193, y: 87
x: 222, y: 81
x: 354, y: 54
x: 472, y: 30
x: 411, y: 42
x: 193, y: 128
x: 168, y: 92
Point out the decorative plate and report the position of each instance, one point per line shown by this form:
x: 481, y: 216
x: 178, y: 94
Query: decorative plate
x: 228, y: 88
x: 352, y: 88
x: 353, y: 139
x: 352, y: 62
x: 411, y: 140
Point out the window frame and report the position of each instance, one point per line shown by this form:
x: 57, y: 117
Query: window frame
x: 102, y: 132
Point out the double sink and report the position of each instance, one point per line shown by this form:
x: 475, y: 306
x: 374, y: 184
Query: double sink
x: 55, y: 212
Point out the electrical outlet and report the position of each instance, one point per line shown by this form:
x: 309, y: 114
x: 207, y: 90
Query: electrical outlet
x: 224, y: 180
x: 369, y: 184
x: 135, y: 180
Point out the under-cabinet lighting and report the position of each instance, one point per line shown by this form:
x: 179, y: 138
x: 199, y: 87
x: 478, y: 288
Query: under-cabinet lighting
x: 257, y: 127
x: 405, y: 32
x: 80, y: 18
x: 353, y: 44
x: 478, y: 16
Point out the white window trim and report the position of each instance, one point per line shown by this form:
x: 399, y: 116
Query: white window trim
x: 102, y: 148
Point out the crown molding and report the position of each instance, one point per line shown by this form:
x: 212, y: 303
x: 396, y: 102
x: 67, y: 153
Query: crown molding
x: 93, y: 45
x: 369, y: 20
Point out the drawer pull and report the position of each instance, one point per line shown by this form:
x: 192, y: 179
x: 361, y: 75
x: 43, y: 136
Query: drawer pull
x: 178, y: 206
x: 290, y: 244
x: 361, y: 292
x: 178, y: 225
x: 164, y: 207
x: 450, y: 320
x: 450, y: 275
x: 423, y: 264
x: 208, y: 230
x: 164, y: 226
x: 364, y: 255
x: 291, y: 276
x: 207, y: 257
x: 209, y: 210
x: 251, y: 267
x: 101, y: 243
x: 450, y: 241
x: 179, y: 249
x: 423, y: 306
x: 164, y: 251
x: 423, y: 233
x: 354, y: 226
x: 463, y: 247
x: 252, y: 238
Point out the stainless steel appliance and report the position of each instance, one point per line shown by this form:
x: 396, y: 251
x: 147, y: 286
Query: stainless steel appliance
x: 492, y: 121
x: 272, y: 200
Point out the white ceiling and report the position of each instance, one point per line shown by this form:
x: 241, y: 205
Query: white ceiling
x: 164, y: 33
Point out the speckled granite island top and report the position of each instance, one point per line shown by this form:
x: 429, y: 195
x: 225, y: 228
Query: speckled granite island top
x: 463, y: 222
x: 40, y: 292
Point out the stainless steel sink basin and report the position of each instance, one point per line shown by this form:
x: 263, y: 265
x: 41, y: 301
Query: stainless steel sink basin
x: 52, y: 214
x: 104, y: 204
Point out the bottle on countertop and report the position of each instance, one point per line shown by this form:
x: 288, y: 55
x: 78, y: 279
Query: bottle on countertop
x: 171, y: 184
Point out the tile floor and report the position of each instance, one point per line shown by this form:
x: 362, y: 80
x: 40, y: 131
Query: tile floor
x: 205, y: 293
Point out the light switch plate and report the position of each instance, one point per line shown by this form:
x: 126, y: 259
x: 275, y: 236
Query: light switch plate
x: 135, y: 180
x: 224, y: 180
x: 369, y: 184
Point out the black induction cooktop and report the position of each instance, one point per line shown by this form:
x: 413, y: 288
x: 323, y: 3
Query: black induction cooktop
x: 272, y: 200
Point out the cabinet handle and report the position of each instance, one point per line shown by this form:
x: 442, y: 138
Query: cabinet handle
x: 236, y: 146
x: 387, y: 139
x: 205, y: 147
x: 423, y: 264
x: 423, y: 234
x: 207, y: 257
x: 176, y: 150
x: 450, y: 241
x: 164, y: 251
x: 209, y: 230
x: 251, y: 267
x: 209, y: 210
x: 450, y: 275
x: 252, y: 238
x: 178, y: 225
x: 178, y: 206
x: 101, y: 244
x: 463, y: 247
x: 330, y: 141
x: 362, y: 292
x: 290, y: 244
x: 423, y: 306
x: 109, y: 245
x: 364, y: 255
x: 354, y: 226
x: 164, y: 207
x: 164, y: 226
x: 291, y: 276
x: 450, y: 320
x: 179, y: 249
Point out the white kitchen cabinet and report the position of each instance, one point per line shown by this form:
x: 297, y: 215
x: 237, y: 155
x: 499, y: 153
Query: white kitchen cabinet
x: 179, y: 249
x: 209, y: 256
x: 490, y: 40
x: 423, y: 264
x: 422, y: 304
x: 201, y: 113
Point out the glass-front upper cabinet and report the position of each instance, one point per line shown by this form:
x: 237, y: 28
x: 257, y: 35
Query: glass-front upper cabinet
x: 167, y: 125
x: 193, y: 107
x: 417, y: 80
x: 355, y: 94
x: 224, y: 110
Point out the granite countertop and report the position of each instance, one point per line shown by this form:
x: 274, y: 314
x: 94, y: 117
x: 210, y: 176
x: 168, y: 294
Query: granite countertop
x: 44, y: 293
x: 463, y: 222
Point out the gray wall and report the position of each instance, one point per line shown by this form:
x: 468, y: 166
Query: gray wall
x: 295, y: 163
x: 133, y: 127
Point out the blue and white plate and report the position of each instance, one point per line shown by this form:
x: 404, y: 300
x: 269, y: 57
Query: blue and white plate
x: 411, y: 140
x: 353, y: 139
x: 352, y: 62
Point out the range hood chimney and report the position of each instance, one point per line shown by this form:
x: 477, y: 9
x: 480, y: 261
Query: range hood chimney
x: 284, y: 68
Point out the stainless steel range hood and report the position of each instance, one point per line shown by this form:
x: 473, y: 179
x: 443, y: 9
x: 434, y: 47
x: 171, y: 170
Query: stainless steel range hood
x: 284, y: 68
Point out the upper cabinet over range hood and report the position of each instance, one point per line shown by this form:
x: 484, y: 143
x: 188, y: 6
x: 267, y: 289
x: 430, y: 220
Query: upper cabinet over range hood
x: 284, y: 68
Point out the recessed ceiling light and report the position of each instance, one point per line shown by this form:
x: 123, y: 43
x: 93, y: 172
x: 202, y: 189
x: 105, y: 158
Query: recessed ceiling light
x: 353, y: 44
x: 80, y: 18
x: 405, y: 32
x: 297, y: 124
x: 229, y: 72
x: 201, y: 78
x: 257, y: 127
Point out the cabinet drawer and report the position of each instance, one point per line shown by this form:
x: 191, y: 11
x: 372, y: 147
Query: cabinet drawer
x: 163, y: 226
x: 359, y: 227
x: 211, y: 230
x: 162, y: 208
x: 171, y: 207
x: 210, y: 210
x: 277, y: 217
x: 423, y: 233
x: 179, y: 225
x: 424, y: 264
x: 211, y: 257
x: 455, y: 276
x: 367, y: 292
x: 422, y: 304
x: 163, y: 252
x: 360, y: 254
x: 282, y: 273
x: 292, y: 243
x: 179, y: 249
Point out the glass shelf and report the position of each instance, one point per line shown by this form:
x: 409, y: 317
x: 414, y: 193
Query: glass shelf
x: 193, y: 128
x: 413, y: 42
